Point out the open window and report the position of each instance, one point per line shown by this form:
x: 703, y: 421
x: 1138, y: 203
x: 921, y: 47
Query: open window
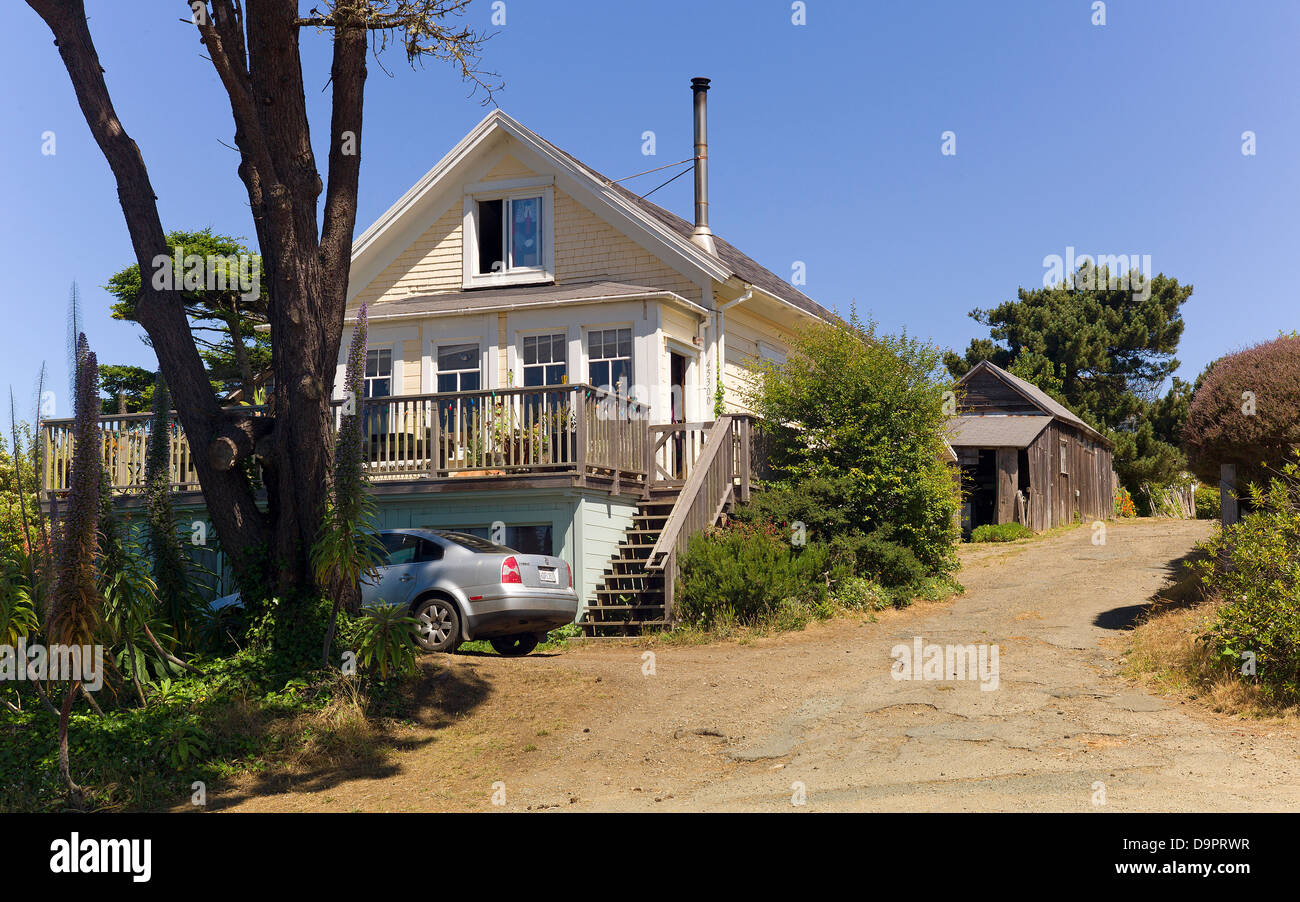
x: 509, y: 237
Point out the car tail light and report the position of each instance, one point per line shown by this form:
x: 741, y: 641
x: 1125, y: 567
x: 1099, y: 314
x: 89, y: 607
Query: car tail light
x: 570, y: 569
x: 510, y: 571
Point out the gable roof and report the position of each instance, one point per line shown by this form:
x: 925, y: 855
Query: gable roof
x: 1007, y: 431
x: 671, y: 233
x: 1036, y: 396
x: 741, y: 265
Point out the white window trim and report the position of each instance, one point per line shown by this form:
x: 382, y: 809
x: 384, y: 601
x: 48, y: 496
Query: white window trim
x: 508, y: 190
x: 429, y: 371
x: 515, y: 352
x: 637, y: 355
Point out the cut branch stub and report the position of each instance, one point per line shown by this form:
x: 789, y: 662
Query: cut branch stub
x: 239, y: 439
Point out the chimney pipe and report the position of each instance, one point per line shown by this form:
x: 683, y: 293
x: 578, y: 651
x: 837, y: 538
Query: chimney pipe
x: 702, y: 236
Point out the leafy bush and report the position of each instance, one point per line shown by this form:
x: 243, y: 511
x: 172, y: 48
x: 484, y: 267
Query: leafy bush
x: 1124, y: 506
x: 1207, y: 502
x: 1243, y: 412
x: 1254, y: 565
x: 1000, y: 532
x: 385, y: 641
x: 744, y: 573
x: 878, y: 559
x: 860, y: 594
x: 868, y: 413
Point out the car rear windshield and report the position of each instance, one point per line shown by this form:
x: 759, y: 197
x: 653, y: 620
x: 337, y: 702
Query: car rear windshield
x: 475, y: 544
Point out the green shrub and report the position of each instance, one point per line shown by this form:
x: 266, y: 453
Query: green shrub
x: 857, y: 593
x: 876, y: 558
x: 1207, y: 502
x: 745, y: 573
x: 1000, y: 532
x: 869, y: 413
x: 384, y: 639
x: 1254, y: 565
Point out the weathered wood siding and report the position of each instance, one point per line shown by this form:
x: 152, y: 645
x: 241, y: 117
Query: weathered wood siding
x: 1052, y: 498
x: 986, y: 393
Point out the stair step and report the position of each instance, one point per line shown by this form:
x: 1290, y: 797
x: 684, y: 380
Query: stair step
x: 623, y: 607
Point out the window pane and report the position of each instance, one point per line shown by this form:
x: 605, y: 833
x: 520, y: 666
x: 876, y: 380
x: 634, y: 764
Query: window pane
x: 457, y: 357
x: 555, y: 374
x: 530, y: 350
x: 595, y: 350
x: 446, y: 382
x: 378, y: 388
x: 624, y: 342
x: 372, y: 364
x: 525, y: 232
x: 620, y: 373
x: 489, y: 228
x: 599, y: 373
x: 469, y: 381
x: 533, y: 376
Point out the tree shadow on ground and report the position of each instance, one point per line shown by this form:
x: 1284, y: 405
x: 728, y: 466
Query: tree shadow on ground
x: 439, y: 698
x: 1181, y: 590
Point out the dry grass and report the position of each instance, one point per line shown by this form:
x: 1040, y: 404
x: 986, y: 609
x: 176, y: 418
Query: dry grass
x: 1166, y: 656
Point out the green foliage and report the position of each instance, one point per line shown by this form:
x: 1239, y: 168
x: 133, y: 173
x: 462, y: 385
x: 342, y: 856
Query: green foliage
x: 868, y: 413
x: 1105, y: 353
x: 126, y: 387
x: 857, y: 593
x: 237, y: 353
x: 1244, y: 412
x: 17, y: 613
x: 1124, y: 505
x: 744, y: 573
x: 384, y: 638
x: 1254, y: 565
x: 1207, y: 502
x: 873, y: 556
x: 1000, y: 532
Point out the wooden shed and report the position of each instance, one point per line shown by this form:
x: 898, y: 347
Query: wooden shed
x: 1024, y: 457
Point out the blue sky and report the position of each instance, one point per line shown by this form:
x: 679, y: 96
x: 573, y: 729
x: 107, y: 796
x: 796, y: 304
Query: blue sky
x: 825, y: 147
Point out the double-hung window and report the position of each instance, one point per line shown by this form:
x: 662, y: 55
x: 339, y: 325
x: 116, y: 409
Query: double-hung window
x: 458, y: 371
x: 545, y: 359
x: 609, y: 358
x: 378, y: 384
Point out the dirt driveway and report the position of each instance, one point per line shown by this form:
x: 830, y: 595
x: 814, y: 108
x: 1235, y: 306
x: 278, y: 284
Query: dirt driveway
x: 732, y: 726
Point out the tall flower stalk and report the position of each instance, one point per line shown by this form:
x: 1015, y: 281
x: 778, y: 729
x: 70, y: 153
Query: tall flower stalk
x: 347, y: 548
x: 171, y: 574
x: 76, y: 603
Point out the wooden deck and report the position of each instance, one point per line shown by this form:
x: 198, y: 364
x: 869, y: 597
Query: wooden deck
x: 577, y: 431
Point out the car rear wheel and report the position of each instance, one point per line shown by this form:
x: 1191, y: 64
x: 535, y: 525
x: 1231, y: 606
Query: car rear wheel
x: 514, y: 646
x: 438, y: 625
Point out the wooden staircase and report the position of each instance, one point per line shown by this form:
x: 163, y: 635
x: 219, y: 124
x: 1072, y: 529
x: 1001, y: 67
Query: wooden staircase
x: 636, y: 592
x: 630, y: 599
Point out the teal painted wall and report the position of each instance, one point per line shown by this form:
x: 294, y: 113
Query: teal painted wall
x: 586, y: 526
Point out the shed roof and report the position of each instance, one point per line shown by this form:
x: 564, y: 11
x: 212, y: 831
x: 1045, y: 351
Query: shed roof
x: 995, y: 430
x: 1039, y: 398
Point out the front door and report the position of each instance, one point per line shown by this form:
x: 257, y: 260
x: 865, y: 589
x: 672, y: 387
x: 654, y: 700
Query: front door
x: 677, y: 411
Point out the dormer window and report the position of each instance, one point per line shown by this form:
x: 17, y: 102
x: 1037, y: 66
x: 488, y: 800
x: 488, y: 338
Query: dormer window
x: 508, y: 237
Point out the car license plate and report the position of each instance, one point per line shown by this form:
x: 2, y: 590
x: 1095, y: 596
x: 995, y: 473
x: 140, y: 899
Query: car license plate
x: 548, y: 575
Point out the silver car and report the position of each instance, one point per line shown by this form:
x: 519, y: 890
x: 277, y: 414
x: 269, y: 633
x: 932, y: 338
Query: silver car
x: 460, y: 587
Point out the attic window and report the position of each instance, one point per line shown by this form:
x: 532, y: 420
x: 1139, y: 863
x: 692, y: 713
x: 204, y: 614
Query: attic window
x: 508, y: 236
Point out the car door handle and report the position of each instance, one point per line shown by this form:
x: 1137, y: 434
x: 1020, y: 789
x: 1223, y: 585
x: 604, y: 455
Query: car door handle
x: 407, y: 578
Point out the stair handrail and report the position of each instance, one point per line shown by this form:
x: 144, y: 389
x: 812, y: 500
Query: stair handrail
x: 718, y: 451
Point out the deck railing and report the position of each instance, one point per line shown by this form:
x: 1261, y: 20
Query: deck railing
x: 576, y: 429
